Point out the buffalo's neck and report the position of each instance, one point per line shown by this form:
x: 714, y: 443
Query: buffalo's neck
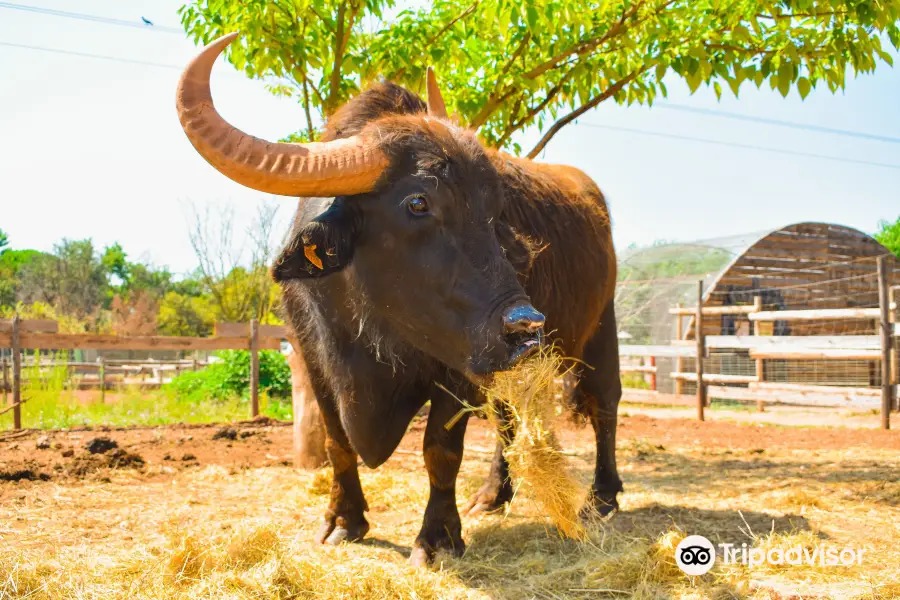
x: 379, y: 385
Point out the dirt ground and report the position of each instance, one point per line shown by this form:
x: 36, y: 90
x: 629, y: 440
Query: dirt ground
x: 174, y: 512
x: 261, y: 443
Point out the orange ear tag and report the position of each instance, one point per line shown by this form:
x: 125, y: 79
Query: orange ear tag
x: 310, y: 253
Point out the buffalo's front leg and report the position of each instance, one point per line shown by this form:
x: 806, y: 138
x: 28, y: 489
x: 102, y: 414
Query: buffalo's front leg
x: 344, y: 519
x: 443, y: 448
x: 497, y: 489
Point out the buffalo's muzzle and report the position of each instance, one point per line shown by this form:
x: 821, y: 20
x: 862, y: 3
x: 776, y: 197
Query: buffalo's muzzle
x: 523, y: 318
x: 524, y: 331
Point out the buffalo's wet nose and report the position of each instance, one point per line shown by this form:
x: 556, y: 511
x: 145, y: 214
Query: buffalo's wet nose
x: 523, y: 319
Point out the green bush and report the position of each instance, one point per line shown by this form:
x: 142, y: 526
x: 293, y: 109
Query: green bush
x: 634, y: 380
x: 230, y: 376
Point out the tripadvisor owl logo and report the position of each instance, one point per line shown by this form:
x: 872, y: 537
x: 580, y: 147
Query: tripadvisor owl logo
x: 695, y: 555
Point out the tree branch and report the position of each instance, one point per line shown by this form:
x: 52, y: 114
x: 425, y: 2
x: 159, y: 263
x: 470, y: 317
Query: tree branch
x: 334, y: 85
x: 438, y: 35
x: 518, y: 52
x: 589, y: 45
x: 534, y: 111
x: 814, y: 15
x: 314, y: 89
x: 309, y: 125
x: 611, y: 91
x: 579, y: 49
x: 323, y: 19
x: 452, y: 22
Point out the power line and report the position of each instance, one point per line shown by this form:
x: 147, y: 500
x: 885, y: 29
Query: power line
x: 130, y: 61
x: 97, y: 56
x: 737, y: 116
x: 665, y: 105
x: 744, y: 146
x: 94, y: 18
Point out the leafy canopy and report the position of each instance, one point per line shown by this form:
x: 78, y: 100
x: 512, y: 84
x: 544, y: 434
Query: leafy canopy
x: 889, y: 236
x: 510, y: 64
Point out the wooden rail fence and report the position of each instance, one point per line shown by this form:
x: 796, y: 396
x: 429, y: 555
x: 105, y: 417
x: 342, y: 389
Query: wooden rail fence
x: 878, y: 349
x: 19, y: 335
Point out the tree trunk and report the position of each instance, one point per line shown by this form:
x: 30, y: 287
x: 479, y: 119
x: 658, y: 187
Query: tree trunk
x: 309, y: 430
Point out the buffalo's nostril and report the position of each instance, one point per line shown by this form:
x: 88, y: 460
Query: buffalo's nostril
x: 522, y: 319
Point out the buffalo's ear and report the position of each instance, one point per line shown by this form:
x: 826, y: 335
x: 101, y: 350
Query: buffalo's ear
x: 518, y: 249
x: 321, y: 247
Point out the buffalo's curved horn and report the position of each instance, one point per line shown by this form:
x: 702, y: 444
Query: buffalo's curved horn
x: 318, y: 169
x: 436, y: 106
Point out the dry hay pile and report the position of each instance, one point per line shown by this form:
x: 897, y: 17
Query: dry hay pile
x: 527, y: 400
x: 246, y: 533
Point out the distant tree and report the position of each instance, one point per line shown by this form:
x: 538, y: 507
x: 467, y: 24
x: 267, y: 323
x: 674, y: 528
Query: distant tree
x: 238, y: 282
x: 72, y: 279
x: 136, y: 315
x: 4, y: 240
x: 11, y: 264
x: 183, y: 314
x: 889, y: 236
x: 115, y: 261
x: 508, y: 65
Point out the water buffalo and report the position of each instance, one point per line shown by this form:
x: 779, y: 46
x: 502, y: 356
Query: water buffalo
x: 419, y: 263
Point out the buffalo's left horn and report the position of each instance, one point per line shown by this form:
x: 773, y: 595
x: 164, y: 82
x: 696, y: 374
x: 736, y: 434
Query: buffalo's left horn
x: 436, y: 106
x: 318, y: 169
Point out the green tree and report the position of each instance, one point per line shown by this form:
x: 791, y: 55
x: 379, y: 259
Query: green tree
x: 511, y: 64
x: 889, y: 236
x: 11, y: 264
x: 237, y: 282
x: 72, y: 279
x: 4, y: 241
x: 183, y: 314
x: 115, y: 261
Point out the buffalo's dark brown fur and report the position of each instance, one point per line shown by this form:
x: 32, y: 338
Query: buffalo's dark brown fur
x: 553, y: 228
x: 557, y: 210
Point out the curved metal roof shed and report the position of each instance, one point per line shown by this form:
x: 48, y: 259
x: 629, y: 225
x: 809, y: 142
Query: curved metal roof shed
x: 801, y: 267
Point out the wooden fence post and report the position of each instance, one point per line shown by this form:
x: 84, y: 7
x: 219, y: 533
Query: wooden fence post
x: 887, y: 390
x: 895, y: 355
x: 760, y: 366
x: 4, y: 379
x: 701, y: 352
x: 102, y: 377
x: 653, y: 374
x: 254, y: 368
x: 679, y: 361
x: 17, y: 374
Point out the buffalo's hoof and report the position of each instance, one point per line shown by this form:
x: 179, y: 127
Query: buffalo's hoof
x: 423, y: 552
x: 598, y: 507
x: 419, y: 557
x: 491, y: 498
x: 337, y: 530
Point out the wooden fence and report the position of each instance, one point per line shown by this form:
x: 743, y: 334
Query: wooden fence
x: 19, y: 335
x: 876, y: 349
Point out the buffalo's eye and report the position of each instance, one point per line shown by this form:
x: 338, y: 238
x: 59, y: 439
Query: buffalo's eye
x: 417, y: 205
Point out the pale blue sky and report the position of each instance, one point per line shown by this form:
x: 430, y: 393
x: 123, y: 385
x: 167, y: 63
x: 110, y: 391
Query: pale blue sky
x: 93, y: 148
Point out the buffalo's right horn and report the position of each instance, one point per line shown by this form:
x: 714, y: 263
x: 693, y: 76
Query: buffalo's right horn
x: 436, y: 106
x: 318, y: 169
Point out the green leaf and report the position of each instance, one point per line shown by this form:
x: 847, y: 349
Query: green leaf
x: 785, y: 75
x: 702, y: 41
x: 533, y: 19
